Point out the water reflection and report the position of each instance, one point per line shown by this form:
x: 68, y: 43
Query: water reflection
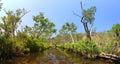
x: 55, y: 58
x: 52, y: 56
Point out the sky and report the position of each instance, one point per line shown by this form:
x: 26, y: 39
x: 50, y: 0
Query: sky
x: 60, y: 11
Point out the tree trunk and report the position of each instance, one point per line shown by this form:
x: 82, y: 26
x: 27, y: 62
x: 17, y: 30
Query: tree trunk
x: 87, y: 30
x: 13, y: 32
x: 88, y: 35
x: 72, y: 38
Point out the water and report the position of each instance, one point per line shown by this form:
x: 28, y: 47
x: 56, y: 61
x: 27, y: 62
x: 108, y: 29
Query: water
x: 53, y: 56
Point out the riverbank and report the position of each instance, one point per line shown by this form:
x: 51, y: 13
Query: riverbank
x: 53, y: 55
x: 86, y: 48
x: 89, y: 49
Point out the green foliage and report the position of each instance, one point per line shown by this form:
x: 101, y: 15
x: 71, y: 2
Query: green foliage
x: 42, y: 26
x: 10, y: 47
x: 34, y: 45
x: 85, y: 47
x: 11, y: 21
x: 3, y: 44
x: 68, y: 28
x: 89, y: 14
x: 37, y: 37
x: 46, y: 45
x: 27, y: 40
x: 20, y: 44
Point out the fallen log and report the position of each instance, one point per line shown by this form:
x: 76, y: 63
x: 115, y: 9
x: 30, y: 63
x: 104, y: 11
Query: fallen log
x: 112, y: 57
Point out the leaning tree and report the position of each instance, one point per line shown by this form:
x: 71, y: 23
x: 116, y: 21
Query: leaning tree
x: 87, y: 19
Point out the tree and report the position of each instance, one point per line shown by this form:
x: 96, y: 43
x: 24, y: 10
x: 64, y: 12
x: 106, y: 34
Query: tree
x: 11, y: 21
x: 42, y: 26
x: 87, y: 18
x: 68, y: 28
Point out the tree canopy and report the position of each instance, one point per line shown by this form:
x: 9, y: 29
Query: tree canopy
x: 43, y: 26
x: 11, y: 21
x: 68, y: 29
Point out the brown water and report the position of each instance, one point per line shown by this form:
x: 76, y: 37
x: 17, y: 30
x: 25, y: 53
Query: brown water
x: 52, y: 56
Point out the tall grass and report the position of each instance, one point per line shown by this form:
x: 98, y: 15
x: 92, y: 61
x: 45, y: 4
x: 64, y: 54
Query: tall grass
x: 107, y: 42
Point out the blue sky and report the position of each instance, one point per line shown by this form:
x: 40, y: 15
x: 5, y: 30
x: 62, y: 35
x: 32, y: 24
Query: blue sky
x: 60, y: 11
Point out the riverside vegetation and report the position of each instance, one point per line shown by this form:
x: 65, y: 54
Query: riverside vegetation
x: 16, y: 42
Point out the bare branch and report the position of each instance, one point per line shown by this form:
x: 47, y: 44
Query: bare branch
x: 82, y: 19
x: 24, y: 12
x: 91, y: 26
x: 81, y: 5
x: 76, y: 14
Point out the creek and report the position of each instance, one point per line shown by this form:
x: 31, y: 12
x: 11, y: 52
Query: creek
x: 53, y: 56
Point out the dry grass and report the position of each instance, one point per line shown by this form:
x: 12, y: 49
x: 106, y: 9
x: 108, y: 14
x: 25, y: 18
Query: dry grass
x: 106, y: 42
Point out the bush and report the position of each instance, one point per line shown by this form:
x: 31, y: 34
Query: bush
x: 46, y: 45
x: 10, y: 47
x: 3, y: 45
x: 34, y: 45
x: 86, y: 47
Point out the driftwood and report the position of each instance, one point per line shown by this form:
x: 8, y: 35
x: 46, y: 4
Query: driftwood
x: 112, y: 57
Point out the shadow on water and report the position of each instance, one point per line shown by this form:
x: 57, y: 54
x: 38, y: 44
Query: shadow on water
x: 52, y: 56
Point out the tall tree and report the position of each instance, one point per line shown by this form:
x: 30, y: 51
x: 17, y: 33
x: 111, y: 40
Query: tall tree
x: 43, y: 26
x: 68, y: 28
x: 87, y: 19
x: 11, y: 21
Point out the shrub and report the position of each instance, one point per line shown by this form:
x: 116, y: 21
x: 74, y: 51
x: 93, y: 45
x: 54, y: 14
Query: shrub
x: 34, y: 44
x: 10, y: 47
x: 86, y: 47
